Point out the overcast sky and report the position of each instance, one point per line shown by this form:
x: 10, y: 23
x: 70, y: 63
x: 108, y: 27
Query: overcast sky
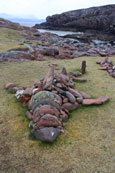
x: 42, y: 8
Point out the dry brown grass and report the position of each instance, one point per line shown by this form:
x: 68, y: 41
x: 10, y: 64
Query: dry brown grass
x: 88, y: 144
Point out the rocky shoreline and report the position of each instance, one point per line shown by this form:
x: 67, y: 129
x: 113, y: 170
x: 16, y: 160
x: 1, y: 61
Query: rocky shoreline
x: 95, y: 18
x: 44, y: 46
x: 51, y: 46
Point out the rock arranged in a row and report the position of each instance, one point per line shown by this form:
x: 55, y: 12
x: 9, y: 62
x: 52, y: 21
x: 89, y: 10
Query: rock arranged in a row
x: 108, y: 66
x: 50, y: 100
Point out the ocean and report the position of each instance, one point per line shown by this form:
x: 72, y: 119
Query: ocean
x: 60, y: 33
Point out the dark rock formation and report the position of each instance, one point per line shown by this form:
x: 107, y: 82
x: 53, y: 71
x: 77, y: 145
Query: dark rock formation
x: 95, y: 18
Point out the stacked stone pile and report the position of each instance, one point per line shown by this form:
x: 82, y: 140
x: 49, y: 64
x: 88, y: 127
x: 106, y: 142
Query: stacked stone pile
x: 108, y: 66
x: 50, y: 100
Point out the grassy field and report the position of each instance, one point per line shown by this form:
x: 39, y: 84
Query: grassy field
x: 9, y: 39
x: 88, y: 144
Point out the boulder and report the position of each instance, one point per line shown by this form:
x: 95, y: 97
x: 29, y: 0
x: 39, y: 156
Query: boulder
x: 47, y: 134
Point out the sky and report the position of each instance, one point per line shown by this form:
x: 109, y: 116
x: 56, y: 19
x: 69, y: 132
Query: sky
x: 42, y: 8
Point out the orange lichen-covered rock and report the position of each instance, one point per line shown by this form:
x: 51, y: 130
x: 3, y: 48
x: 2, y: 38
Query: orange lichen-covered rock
x: 10, y: 85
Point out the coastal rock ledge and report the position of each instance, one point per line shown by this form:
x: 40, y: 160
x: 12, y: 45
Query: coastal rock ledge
x: 95, y: 18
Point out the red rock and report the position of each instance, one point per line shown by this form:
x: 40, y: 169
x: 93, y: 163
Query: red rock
x: 47, y: 81
x: 48, y: 120
x: 24, y: 99
x: 75, y: 93
x: 64, y: 117
x: 45, y: 109
x: 10, y: 85
x: 28, y: 91
x: 97, y: 101
x: 75, y: 74
x: 103, y: 68
x: 59, y: 85
x: 102, y: 53
x: 29, y: 104
x: 37, y: 91
x: 62, y: 112
x: 61, y: 78
x: 54, y: 91
x: 29, y: 115
x: 70, y: 106
x: 79, y: 79
x: 85, y: 96
x: 70, y: 97
x: 61, y: 131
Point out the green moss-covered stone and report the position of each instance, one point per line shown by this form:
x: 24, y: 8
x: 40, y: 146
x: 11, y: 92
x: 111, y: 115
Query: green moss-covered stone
x: 45, y: 94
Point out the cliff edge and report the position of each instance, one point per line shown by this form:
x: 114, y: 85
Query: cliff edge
x: 95, y: 18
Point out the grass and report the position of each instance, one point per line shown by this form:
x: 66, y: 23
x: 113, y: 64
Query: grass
x: 88, y: 144
x: 10, y: 39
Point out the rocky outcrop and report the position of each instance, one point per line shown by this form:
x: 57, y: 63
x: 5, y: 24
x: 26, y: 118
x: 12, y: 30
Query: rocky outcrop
x: 16, y: 56
x: 95, y: 18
